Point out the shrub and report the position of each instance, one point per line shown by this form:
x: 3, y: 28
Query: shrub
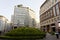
x: 26, y: 33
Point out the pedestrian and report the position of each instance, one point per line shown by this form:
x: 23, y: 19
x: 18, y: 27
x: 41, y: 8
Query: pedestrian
x: 57, y: 35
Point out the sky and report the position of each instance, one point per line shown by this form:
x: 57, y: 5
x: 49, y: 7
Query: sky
x: 7, y: 6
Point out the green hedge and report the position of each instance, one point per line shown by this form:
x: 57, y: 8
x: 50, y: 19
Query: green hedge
x: 25, y: 33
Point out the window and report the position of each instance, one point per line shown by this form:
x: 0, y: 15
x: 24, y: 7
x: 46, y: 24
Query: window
x: 54, y: 11
x: 46, y: 14
x: 57, y: 9
x: 49, y: 20
x: 58, y: 18
x: 52, y: 1
x: 49, y: 14
x: 59, y: 5
x: 52, y: 20
x: 55, y: 0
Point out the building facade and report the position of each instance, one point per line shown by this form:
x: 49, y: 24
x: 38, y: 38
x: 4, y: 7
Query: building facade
x: 23, y: 16
x: 50, y: 16
x: 3, y: 24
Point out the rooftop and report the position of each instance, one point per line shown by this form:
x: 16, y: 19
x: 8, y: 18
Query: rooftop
x: 24, y: 7
x: 43, y: 3
x: 3, y: 17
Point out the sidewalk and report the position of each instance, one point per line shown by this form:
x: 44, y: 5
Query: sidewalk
x: 51, y: 37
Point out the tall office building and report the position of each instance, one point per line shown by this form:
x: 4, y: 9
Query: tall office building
x: 23, y: 16
x: 50, y: 16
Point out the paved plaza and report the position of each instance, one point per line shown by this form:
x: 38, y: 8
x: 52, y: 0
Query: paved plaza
x: 51, y: 37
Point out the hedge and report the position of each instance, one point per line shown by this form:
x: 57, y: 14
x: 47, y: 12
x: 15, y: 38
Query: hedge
x: 24, y: 33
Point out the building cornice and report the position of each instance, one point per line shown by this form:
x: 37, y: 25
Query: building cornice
x: 43, y: 3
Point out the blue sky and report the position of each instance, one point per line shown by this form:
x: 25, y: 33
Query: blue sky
x: 7, y: 6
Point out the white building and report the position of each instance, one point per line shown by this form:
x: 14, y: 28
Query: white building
x: 8, y: 26
x: 3, y: 24
x: 23, y: 16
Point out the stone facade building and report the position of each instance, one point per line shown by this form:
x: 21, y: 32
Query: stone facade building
x: 50, y: 16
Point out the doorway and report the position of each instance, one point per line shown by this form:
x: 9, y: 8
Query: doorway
x: 48, y: 28
x: 53, y: 29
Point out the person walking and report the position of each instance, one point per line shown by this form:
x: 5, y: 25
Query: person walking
x: 57, y: 35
